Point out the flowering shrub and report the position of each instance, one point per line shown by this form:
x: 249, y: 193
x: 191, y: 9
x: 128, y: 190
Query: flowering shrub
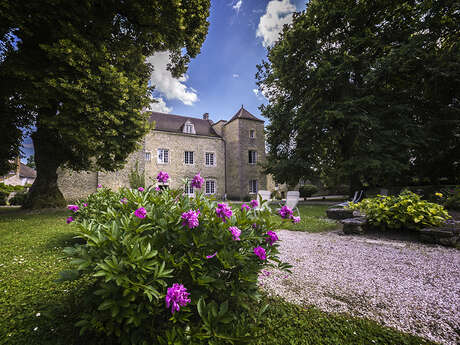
x: 406, y: 210
x: 170, y: 269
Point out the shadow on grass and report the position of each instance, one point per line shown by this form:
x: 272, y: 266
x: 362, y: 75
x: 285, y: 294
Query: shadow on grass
x: 63, y: 240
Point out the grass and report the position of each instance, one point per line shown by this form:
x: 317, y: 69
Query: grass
x: 313, y: 219
x: 35, y: 309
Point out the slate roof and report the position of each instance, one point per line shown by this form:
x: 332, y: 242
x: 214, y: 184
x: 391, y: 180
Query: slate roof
x: 244, y: 114
x: 175, y: 123
x: 25, y: 171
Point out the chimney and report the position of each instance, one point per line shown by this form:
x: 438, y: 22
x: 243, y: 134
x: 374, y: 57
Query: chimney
x: 206, y: 116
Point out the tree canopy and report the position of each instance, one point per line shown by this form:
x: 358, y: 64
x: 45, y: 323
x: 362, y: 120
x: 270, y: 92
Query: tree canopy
x: 77, y: 77
x: 365, y: 92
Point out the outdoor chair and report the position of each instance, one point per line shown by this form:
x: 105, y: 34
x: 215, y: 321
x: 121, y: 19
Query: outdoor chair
x: 263, y: 195
x: 292, y: 199
x: 356, y: 198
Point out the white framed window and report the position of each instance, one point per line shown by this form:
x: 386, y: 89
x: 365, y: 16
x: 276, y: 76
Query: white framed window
x: 189, y: 128
x: 163, y: 156
x: 188, y: 157
x: 253, y: 187
x: 210, y: 159
x: 210, y: 187
x: 189, y: 189
x: 148, y: 156
x: 252, y: 133
x: 252, y: 157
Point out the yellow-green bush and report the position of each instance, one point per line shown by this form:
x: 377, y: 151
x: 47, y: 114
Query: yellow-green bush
x: 406, y: 210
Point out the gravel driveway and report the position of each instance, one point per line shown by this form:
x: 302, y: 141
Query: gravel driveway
x: 409, y: 286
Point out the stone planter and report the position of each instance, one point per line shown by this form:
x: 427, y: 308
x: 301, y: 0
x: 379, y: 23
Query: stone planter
x: 354, y: 225
x: 339, y: 213
x: 446, y: 236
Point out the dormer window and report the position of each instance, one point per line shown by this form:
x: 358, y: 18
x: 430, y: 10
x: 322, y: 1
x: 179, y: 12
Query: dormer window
x: 189, y: 127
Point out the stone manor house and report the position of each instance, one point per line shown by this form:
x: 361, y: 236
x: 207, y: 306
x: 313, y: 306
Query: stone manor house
x: 227, y: 154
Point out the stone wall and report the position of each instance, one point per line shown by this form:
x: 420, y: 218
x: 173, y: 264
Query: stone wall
x: 239, y: 171
x: 177, y: 144
x: 233, y: 157
x: 76, y: 185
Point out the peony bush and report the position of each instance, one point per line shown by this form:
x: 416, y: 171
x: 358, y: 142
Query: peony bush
x: 170, y: 269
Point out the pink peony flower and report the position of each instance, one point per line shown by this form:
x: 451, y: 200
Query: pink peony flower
x: 99, y: 186
x: 140, y: 189
x: 254, y: 203
x: 260, y: 252
x: 197, y: 181
x: 140, y: 213
x: 176, y: 297
x: 245, y: 207
x: 235, y: 232
x: 223, y: 211
x: 162, y: 177
x: 295, y: 220
x: 157, y: 189
x: 73, y: 208
x: 85, y: 205
x: 272, y: 237
x: 69, y: 220
x: 190, y: 219
x: 285, y: 212
x: 211, y: 256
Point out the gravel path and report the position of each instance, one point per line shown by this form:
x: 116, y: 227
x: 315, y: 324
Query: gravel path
x: 412, y: 287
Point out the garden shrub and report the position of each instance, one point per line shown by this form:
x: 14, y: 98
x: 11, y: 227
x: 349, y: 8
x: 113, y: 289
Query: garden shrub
x: 406, y: 210
x: 308, y: 190
x: 136, y: 177
x: 3, y: 197
x: 170, y: 269
x: 452, y: 199
x: 18, y: 198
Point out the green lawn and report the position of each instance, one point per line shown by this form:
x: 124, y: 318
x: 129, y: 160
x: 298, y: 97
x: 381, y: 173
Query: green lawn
x: 313, y: 219
x: 35, y: 309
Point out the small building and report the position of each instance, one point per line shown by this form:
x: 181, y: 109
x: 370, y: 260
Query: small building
x: 227, y: 154
x: 21, y: 175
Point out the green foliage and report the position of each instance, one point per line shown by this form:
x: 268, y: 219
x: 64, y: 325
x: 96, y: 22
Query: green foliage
x: 136, y: 177
x: 3, y: 197
x: 31, y: 162
x: 31, y: 254
x: 308, y: 190
x: 79, y: 74
x: 10, y: 188
x: 18, y: 199
x: 406, y: 211
x: 452, y: 200
x: 365, y: 93
x: 135, y: 260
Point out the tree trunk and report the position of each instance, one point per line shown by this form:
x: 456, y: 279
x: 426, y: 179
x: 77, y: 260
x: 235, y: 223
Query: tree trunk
x: 44, y: 192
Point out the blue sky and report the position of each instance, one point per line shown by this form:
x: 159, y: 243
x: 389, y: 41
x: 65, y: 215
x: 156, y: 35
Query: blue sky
x: 222, y: 77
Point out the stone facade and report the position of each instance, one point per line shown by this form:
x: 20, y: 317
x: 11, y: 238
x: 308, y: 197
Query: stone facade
x: 177, y: 144
x: 229, y: 142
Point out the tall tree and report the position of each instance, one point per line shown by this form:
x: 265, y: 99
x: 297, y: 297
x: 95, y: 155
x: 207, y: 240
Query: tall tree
x: 342, y: 105
x: 79, y: 71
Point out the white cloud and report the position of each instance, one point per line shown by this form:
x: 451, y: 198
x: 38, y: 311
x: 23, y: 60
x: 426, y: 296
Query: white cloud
x: 256, y: 92
x: 235, y: 75
x: 164, y: 82
x: 160, y: 106
x: 237, y: 6
x: 278, y: 13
